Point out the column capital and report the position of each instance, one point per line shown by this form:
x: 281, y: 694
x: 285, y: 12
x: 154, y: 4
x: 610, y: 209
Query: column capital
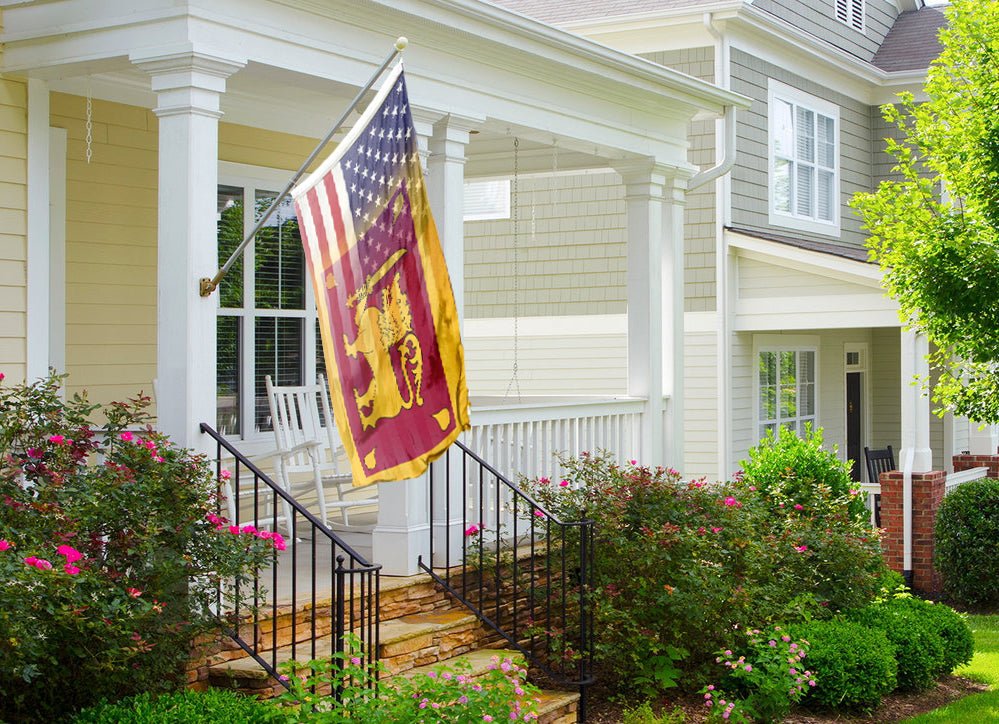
x: 186, y: 80
x: 649, y: 178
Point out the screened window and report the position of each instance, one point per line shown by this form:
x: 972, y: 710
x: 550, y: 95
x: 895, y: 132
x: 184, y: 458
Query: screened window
x: 786, y: 390
x: 265, y: 309
x: 486, y: 200
x: 804, y: 184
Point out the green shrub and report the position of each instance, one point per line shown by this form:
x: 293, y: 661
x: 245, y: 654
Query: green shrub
x: 214, y: 706
x: 967, y: 543
x: 919, y: 648
x: 854, y: 665
x: 110, y: 553
x: 953, y: 630
x: 680, y: 565
x: 447, y: 694
x: 788, y: 470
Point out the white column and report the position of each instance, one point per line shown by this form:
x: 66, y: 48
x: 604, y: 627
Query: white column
x: 447, y: 195
x: 402, y: 534
x: 188, y: 86
x: 915, y: 402
x: 38, y: 312
x: 915, y: 454
x: 654, y: 195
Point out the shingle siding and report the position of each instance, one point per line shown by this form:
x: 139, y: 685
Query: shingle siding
x: 750, y: 188
x: 818, y: 18
x: 700, y: 211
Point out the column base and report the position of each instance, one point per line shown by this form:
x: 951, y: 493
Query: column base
x: 398, y: 550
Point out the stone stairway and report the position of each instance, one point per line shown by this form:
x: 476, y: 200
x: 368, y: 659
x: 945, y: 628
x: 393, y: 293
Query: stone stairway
x: 421, y: 628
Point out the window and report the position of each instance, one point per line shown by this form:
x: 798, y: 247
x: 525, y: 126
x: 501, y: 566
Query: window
x: 485, y: 200
x: 786, y: 389
x: 851, y: 12
x: 804, y: 161
x: 265, y: 307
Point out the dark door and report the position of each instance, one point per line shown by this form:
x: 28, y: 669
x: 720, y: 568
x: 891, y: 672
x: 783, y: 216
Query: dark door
x: 853, y: 446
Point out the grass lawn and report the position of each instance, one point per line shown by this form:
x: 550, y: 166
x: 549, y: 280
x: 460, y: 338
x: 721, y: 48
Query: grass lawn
x: 984, y: 668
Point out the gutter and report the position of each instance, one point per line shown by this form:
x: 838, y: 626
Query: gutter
x: 728, y: 159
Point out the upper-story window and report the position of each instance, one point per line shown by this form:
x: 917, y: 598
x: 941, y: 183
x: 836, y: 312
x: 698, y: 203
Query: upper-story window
x: 804, y: 161
x: 851, y: 12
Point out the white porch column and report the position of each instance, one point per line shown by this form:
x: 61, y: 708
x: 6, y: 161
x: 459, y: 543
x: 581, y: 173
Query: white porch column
x: 915, y: 454
x: 446, y: 186
x: 188, y: 86
x: 654, y: 195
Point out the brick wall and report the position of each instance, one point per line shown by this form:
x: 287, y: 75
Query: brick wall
x: 966, y: 462
x: 927, y: 493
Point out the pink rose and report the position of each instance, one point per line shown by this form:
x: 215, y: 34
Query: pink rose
x: 56, y: 439
x: 71, y: 569
x: 133, y: 592
x: 4, y: 545
x: 71, y: 554
x: 126, y: 436
x: 563, y: 484
x: 472, y: 529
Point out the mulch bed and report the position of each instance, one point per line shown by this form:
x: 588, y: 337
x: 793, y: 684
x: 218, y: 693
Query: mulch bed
x: 895, y: 707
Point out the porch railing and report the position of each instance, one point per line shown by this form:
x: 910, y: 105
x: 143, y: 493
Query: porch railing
x: 317, y: 572
x: 520, y: 569
x: 522, y: 438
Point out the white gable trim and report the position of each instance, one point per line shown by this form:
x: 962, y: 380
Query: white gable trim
x: 805, y: 260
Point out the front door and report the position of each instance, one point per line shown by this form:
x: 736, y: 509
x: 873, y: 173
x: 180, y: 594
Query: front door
x: 853, y: 425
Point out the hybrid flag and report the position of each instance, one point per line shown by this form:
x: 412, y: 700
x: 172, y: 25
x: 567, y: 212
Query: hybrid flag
x: 387, y: 315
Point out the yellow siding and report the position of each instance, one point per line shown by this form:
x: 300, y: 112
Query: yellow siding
x: 13, y: 222
x: 110, y: 248
x: 256, y: 147
x: 111, y: 216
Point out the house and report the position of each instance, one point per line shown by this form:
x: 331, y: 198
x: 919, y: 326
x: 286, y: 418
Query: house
x: 785, y: 320
x: 140, y: 140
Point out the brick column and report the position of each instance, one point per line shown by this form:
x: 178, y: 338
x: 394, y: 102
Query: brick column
x: 927, y: 493
x: 966, y: 462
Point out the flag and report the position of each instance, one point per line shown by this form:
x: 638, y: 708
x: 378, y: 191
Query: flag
x: 386, y: 309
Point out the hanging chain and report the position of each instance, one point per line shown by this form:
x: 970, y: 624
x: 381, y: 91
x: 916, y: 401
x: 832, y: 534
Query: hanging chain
x: 90, y: 123
x: 514, y: 380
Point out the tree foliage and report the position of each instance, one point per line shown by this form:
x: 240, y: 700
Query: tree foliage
x: 935, y: 227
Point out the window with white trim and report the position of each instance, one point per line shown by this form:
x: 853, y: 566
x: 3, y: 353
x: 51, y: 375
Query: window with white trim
x: 265, y: 308
x: 786, y: 390
x: 804, y: 161
x: 485, y: 200
x: 851, y: 12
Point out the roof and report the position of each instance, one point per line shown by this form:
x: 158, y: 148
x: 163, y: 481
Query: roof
x: 912, y: 42
x: 560, y: 11
x: 846, y: 251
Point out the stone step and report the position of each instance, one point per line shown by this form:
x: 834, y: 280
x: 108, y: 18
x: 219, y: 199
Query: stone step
x: 558, y: 707
x: 480, y: 661
x: 405, y: 643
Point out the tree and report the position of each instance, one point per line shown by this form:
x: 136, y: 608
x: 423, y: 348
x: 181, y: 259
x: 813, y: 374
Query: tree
x: 935, y: 228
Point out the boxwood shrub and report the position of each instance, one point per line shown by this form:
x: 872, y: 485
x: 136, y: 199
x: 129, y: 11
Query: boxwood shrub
x: 967, y: 543
x: 854, y: 665
x: 951, y: 627
x: 919, y: 647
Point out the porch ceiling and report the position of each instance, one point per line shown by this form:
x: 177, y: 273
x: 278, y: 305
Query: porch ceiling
x: 304, y: 60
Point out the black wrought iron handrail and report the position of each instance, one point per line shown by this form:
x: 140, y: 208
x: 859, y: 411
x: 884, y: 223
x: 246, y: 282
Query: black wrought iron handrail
x: 514, y: 564
x: 352, y: 587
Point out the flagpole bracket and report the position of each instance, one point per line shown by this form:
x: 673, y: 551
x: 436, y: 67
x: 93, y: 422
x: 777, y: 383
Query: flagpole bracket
x: 206, y: 286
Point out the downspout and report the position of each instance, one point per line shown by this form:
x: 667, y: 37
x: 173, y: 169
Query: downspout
x: 907, y: 465
x: 725, y: 138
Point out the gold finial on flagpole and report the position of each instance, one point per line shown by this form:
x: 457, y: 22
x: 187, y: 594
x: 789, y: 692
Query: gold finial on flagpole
x: 401, y: 42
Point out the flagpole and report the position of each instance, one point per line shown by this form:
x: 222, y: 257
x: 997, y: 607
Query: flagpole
x: 206, y: 285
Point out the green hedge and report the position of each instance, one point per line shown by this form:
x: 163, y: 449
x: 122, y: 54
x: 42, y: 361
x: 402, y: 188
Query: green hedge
x: 854, y: 665
x: 967, y: 542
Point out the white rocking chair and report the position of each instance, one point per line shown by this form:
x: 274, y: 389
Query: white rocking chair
x: 307, y: 447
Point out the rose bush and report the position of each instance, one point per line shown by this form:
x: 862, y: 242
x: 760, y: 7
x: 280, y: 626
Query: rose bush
x: 112, y: 553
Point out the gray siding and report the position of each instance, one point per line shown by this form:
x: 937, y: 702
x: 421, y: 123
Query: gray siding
x: 882, y: 162
x: 750, y: 188
x: 818, y: 18
x: 886, y: 389
x: 700, y: 212
x: 572, y: 259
